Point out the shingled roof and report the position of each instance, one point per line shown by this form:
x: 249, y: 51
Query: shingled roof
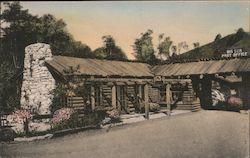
x: 203, y: 67
x: 98, y: 67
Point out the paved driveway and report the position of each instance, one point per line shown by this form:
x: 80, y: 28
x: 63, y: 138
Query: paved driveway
x: 214, y: 134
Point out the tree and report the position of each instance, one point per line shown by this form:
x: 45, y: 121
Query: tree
x: 174, y: 57
x: 53, y: 31
x: 143, y: 48
x: 20, y: 29
x: 196, y: 44
x: 239, y: 34
x: 182, y: 45
x: 23, y: 29
x: 164, y: 45
x: 9, y: 93
x: 99, y: 53
x: 218, y: 37
x: 79, y: 50
x: 110, y: 50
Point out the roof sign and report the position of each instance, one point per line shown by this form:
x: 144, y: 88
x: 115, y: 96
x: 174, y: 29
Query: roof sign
x: 234, y: 53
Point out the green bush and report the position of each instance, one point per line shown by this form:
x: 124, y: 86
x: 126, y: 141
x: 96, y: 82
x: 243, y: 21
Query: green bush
x: 59, y: 94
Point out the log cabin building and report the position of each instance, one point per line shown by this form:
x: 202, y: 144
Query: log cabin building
x: 130, y: 87
x: 106, y: 84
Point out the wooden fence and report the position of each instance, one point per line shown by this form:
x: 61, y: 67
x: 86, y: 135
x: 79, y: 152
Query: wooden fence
x: 3, y: 121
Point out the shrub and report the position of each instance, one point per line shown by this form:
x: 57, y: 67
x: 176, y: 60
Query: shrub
x: 19, y: 116
x: 7, y: 134
x: 72, y: 119
x: 61, y: 115
x: 113, y: 113
x: 58, y: 94
x: 154, y: 107
x: 114, y: 116
x: 92, y: 118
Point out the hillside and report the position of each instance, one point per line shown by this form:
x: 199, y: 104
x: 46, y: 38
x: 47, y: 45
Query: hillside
x: 214, y: 49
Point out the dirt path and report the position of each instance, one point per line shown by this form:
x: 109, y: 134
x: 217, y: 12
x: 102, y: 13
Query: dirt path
x: 204, y: 134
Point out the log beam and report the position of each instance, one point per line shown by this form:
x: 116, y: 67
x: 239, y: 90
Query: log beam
x: 168, y: 98
x: 92, y: 92
x: 113, y: 96
x: 146, y: 99
x: 118, y: 94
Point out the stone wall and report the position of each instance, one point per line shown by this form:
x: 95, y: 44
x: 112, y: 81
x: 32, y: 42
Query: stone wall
x: 38, y: 83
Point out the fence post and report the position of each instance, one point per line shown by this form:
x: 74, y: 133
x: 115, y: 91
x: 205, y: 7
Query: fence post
x: 26, y: 126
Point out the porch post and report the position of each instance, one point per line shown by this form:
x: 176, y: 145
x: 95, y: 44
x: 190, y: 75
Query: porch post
x: 118, y: 98
x: 146, y: 101
x: 113, y: 96
x: 140, y: 91
x: 92, y: 92
x: 168, y: 99
x: 140, y: 96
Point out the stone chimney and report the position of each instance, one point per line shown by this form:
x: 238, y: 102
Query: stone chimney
x: 38, y: 83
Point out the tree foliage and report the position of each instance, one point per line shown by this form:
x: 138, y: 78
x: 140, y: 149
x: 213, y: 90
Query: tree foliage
x: 23, y: 29
x: 143, y: 48
x: 182, y: 46
x: 196, y: 44
x: 19, y: 29
x: 110, y: 50
x: 218, y: 37
x: 164, y: 45
x: 9, y: 95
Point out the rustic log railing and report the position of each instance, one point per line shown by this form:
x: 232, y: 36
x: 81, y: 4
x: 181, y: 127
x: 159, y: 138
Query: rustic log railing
x: 121, y: 106
x: 3, y: 120
x: 76, y: 103
x: 105, y: 97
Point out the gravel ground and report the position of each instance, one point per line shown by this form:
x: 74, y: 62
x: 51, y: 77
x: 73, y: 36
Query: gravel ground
x: 205, y: 134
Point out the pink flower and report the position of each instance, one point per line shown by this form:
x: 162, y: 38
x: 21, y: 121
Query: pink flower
x: 235, y: 101
x: 113, y: 113
x: 19, y: 116
x: 61, y: 115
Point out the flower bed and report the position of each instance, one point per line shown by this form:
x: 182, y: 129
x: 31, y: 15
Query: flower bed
x: 17, y: 119
x: 19, y: 116
x: 66, y: 118
x: 61, y: 115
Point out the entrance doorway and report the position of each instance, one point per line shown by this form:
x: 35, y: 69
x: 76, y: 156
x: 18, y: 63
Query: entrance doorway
x: 121, y: 99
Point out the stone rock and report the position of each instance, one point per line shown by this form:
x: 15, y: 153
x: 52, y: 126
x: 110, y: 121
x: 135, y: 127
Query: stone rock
x: 38, y: 83
x: 7, y: 134
x: 41, y: 126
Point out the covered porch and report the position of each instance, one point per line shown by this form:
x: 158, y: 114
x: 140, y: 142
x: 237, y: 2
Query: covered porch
x: 205, y: 74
